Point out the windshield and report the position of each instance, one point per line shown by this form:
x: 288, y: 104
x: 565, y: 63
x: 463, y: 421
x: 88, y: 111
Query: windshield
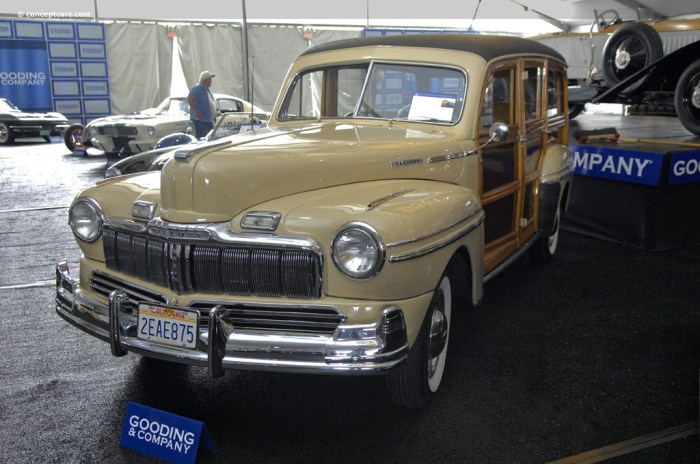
x: 7, y: 107
x: 173, y: 106
x: 377, y: 90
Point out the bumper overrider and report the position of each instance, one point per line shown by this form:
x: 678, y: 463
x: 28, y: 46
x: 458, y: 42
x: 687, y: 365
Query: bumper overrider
x: 351, y: 348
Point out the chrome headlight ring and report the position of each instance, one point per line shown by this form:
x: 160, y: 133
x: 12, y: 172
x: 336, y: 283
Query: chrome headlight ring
x: 358, y: 251
x: 85, y: 218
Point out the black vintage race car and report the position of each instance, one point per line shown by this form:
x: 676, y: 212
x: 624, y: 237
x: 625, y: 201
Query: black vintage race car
x: 15, y: 123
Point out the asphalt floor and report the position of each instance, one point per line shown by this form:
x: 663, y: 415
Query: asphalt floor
x: 595, y: 352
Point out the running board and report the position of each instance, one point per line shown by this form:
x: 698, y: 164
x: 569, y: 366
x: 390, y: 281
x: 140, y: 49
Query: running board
x: 508, y: 261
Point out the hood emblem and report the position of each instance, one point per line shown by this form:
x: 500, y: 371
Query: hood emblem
x: 380, y: 201
x: 184, y: 155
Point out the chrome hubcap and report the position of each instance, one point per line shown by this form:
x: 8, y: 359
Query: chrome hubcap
x: 622, y: 59
x: 695, y: 97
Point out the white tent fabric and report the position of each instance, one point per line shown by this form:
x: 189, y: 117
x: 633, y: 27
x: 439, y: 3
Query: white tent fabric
x: 216, y: 48
x: 139, y: 60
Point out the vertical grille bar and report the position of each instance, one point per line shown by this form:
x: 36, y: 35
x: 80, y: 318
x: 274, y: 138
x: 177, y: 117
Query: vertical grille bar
x: 265, y: 276
x: 236, y: 271
x: 207, y: 266
x: 139, y: 256
x: 123, y: 245
x: 157, y: 262
x: 109, y: 238
x: 297, y: 277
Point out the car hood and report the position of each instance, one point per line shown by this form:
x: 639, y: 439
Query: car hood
x: 139, y: 118
x: 32, y: 116
x: 218, y: 180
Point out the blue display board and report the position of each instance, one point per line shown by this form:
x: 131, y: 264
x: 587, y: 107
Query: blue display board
x: 623, y: 165
x: 55, y: 66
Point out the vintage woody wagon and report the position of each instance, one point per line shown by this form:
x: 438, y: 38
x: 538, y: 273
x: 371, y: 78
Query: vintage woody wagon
x: 396, y: 176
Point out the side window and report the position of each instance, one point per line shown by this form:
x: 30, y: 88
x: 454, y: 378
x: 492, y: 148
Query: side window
x: 533, y: 77
x: 555, y: 92
x: 498, y: 102
x: 226, y: 105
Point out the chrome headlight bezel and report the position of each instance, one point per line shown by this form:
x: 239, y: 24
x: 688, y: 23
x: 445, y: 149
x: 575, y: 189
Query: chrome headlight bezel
x: 85, y: 219
x: 358, y: 251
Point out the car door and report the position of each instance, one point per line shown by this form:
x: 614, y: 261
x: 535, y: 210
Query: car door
x: 513, y: 94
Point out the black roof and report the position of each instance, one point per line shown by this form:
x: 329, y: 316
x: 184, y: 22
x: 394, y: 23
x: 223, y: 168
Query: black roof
x: 486, y: 46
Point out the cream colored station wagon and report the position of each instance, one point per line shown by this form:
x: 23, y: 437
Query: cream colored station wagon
x: 396, y: 175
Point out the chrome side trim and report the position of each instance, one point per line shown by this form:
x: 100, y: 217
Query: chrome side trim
x: 437, y: 232
x: 437, y: 246
x: 450, y: 156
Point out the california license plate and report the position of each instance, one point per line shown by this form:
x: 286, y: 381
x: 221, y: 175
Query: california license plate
x: 169, y: 326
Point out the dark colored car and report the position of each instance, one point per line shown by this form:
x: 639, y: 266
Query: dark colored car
x: 15, y: 123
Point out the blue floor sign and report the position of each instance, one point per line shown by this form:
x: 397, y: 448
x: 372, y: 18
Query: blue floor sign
x: 163, y: 435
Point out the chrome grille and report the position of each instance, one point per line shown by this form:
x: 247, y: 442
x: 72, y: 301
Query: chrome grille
x: 104, y: 284
x: 215, y: 268
x: 293, y: 319
x: 117, y: 131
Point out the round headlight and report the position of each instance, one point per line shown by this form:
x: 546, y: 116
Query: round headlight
x: 357, y: 251
x: 151, y: 131
x: 85, y: 220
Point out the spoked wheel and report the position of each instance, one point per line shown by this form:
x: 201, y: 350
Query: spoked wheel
x: 632, y: 47
x: 416, y: 381
x: 687, y: 98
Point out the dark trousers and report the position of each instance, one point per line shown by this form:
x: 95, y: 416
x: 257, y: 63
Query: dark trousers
x: 202, y: 128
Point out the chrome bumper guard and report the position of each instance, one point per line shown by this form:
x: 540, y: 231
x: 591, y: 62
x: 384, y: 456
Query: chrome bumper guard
x: 352, y: 348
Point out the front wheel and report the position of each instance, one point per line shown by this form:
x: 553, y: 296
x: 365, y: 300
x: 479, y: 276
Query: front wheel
x: 686, y: 98
x: 415, y: 382
x: 6, y: 135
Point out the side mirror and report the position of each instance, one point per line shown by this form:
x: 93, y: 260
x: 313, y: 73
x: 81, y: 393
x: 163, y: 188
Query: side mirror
x: 499, y: 131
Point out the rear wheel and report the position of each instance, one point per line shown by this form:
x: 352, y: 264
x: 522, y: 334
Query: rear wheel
x: 687, y: 98
x: 543, y: 250
x: 632, y: 47
x: 6, y: 135
x: 416, y: 381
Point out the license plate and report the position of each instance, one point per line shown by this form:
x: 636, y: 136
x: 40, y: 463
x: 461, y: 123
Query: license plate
x: 45, y: 133
x: 169, y: 326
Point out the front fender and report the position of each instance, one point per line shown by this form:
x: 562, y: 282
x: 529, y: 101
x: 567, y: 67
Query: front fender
x: 421, y: 225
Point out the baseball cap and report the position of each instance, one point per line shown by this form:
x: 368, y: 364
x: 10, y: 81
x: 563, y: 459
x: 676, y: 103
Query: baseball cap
x: 205, y: 75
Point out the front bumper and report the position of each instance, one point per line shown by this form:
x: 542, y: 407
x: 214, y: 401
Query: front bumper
x: 352, y: 348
